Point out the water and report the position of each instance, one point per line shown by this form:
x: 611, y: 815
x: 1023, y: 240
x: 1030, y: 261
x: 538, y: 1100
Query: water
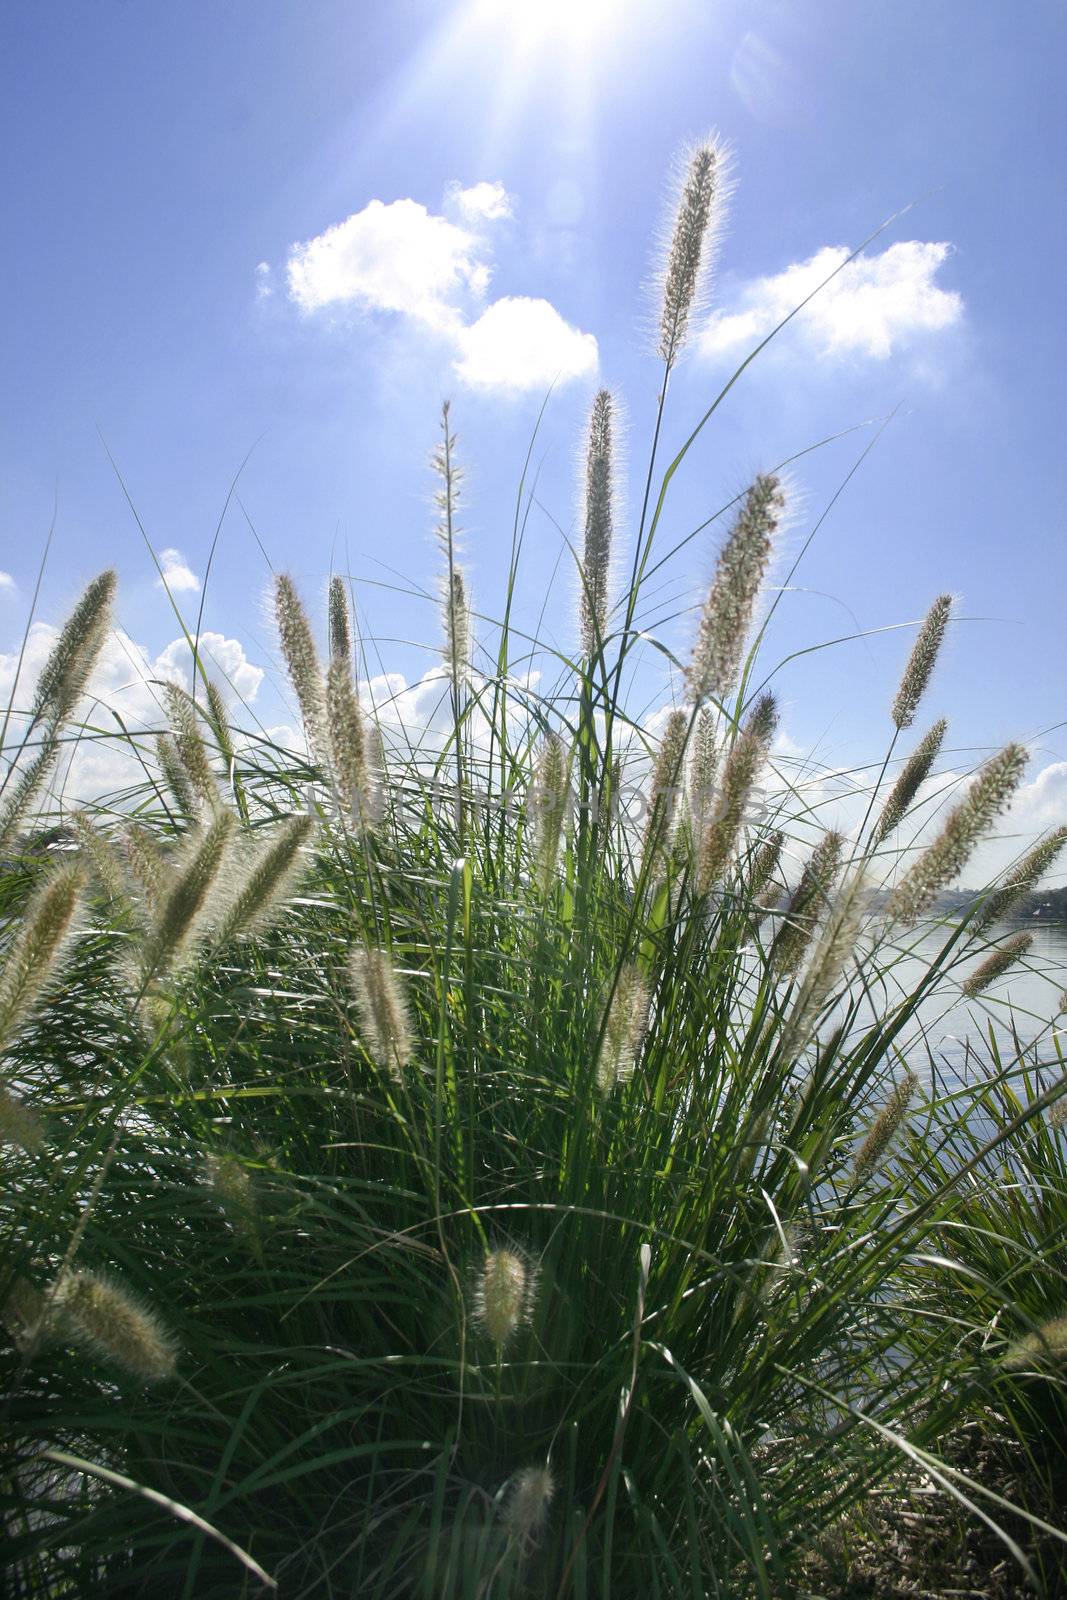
x: 1026, y: 998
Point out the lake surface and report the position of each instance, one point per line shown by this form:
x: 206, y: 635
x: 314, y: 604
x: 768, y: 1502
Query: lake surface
x: 1025, y: 1000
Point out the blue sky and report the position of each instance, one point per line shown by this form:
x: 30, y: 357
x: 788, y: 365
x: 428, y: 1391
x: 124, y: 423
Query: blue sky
x: 496, y: 174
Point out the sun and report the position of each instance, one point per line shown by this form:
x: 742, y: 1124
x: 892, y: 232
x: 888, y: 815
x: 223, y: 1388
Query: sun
x: 568, y: 25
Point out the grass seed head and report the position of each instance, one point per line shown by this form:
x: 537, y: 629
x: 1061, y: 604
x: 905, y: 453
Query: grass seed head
x: 102, y: 1314
x: 1044, y: 1348
x: 302, y: 661
x: 884, y: 1129
x: 188, y: 900
x: 1021, y: 880
x: 38, y: 945
x: 382, y: 1009
x: 528, y: 1503
x: 995, y: 965
x: 350, y: 769
x: 943, y: 860
x: 727, y: 615
x: 624, y: 1029
x: 257, y: 898
x: 340, y: 625
x: 598, y: 517
x: 913, y: 775
x: 690, y: 255
x: 74, y: 654
x: 665, y: 783
x: 189, y: 744
x: 18, y: 1124
x: 810, y: 898
x: 548, y: 808
x: 25, y: 787
x: 503, y: 1300
x: 718, y: 846
x: 456, y: 613
x: 921, y: 662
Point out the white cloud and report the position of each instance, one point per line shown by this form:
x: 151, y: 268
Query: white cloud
x: 488, y: 202
x: 401, y: 258
x: 395, y: 257
x: 874, y: 305
x: 7, y: 583
x: 176, y: 575
x: 519, y: 343
x: 264, y: 280
x: 225, y: 660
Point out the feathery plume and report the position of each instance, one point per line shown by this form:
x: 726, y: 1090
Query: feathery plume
x: 995, y: 965
x: 301, y: 658
x: 457, y: 619
x: 765, y: 864
x: 226, y: 1176
x: 624, y: 1029
x: 689, y: 259
x: 946, y: 858
x: 599, y: 522
x: 274, y: 869
x: 1057, y: 1116
x: 747, y: 755
x: 102, y: 858
x: 828, y: 961
x: 348, y: 746
x: 921, y: 662
x: 527, y: 1504
x: 727, y: 614
x: 340, y: 624
x: 190, y: 746
x: 73, y: 657
x: 1021, y: 880
x: 913, y: 774
x: 22, y: 1312
x: 219, y: 722
x: 1044, y: 1348
x: 664, y: 785
x: 38, y: 945
x: 102, y: 1314
x: 26, y: 784
x: 702, y: 765
x: 149, y: 867
x: 504, y: 1294
x: 185, y: 906
x: 18, y: 1124
x: 172, y: 771
x: 548, y: 808
x: 382, y: 1009
x: 809, y: 899
x: 884, y: 1128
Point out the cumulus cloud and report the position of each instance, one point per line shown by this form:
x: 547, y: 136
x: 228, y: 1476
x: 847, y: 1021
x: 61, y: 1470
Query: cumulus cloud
x: 396, y: 257
x: 875, y: 304
x: 519, y: 343
x: 176, y: 575
x: 487, y: 202
x: 7, y: 583
x: 400, y: 258
x: 124, y: 692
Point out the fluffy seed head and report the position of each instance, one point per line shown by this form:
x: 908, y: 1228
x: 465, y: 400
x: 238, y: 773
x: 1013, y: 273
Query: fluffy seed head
x: 102, y: 859
x: 301, y: 659
x: 727, y: 614
x: 382, y: 1009
x: 340, y: 625
x: 1057, y: 1116
x: 828, y: 961
x: 913, y: 774
x: 190, y: 746
x: 219, y: 721
x: 921, y: 661
x: 186, y: 905
x: 269, y: 878
x: 748, y: 752
x: 702, y: 766
x: 172, y: 771
x: 503, y: 1298
x: 946, y: 858
x: 24, y: 789
x: 809, y: 900
x: 102, y: 1314
x: 1046, y: 1347
x: 664, y: 785
x: 995, y: 965
x: 74, y: 654
x: 701, y: 208
x: 18, y: 1124
x: 624, y: 1029
x: 598, y: 516
x: 38, y: 944
x: 456, y: 613
x: 349, y: 768
x: 548, y: 808
x: 884, y: 1128
x: 765, y: 864
x: 149, y: 867
x: 527, y: 1504
x: 1021, y: 880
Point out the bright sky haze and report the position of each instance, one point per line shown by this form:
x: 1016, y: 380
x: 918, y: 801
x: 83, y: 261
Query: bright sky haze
x: 263, y: 242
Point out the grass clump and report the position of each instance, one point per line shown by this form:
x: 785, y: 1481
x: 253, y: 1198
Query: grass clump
x: 501, y: 1195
